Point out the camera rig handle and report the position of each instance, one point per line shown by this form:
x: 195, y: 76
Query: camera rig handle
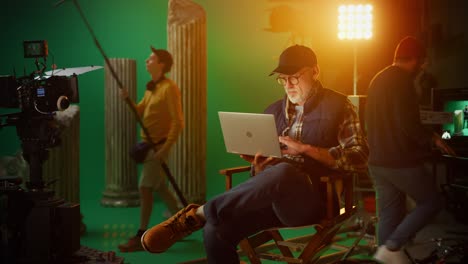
x: 129, y: 102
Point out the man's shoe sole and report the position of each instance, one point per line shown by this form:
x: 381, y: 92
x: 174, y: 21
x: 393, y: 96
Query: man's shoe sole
x: 145, y: 247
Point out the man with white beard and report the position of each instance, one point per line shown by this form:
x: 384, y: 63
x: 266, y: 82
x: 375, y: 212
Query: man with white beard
x: 320, y: 133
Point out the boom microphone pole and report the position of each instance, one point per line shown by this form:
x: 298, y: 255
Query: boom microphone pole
x: 129, y: 102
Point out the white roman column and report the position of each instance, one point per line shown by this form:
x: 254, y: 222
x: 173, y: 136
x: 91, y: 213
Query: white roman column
x: 120, y: 132
x: 186, y: 26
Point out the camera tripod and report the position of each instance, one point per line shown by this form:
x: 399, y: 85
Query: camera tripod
x: 37, y: 227
x: 448, y: 250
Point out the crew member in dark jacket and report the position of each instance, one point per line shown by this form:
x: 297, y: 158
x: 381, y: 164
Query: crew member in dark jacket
x: 399, y: 145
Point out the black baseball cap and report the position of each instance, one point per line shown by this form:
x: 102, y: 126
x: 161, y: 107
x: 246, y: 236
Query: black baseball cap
x: 410, y: 47
x: 294, y: 58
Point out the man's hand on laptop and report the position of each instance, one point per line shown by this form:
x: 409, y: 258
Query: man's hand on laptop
x: 293, y: 147
x: 260, y: 162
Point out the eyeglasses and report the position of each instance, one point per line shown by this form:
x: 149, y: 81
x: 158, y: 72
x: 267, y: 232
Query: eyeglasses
x: 293, y: 79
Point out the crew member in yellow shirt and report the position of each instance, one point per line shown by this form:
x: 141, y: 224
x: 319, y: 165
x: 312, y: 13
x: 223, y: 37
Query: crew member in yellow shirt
x: 161, y: 114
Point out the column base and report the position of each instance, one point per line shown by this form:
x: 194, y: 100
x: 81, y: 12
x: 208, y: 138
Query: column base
x: 120, y: 199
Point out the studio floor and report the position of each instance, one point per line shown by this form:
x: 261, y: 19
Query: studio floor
x: 107, y: 227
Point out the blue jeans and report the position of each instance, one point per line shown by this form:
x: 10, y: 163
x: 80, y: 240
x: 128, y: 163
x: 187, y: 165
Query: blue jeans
x: 395, y: 226
x: 281, y: 195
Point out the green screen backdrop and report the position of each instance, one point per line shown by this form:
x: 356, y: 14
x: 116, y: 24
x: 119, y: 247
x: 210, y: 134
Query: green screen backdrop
x: 244, y: 41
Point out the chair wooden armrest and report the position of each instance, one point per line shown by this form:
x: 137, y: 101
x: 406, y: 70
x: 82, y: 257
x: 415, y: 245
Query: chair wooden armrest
x: 230, y: 171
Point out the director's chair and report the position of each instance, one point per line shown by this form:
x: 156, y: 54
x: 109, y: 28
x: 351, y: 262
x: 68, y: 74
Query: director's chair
x: 256, y: 247
x: 307, y: 248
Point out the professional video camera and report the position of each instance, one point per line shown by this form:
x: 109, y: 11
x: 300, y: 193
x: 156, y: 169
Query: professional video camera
x: 38, y: 96
x: 38, y: 92
x: 36, y: 226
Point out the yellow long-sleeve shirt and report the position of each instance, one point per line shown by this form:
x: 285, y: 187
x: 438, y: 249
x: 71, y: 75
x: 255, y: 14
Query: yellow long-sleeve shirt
x: 161, y: 113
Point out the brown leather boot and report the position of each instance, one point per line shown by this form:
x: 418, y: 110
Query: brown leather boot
x: 162, y: 236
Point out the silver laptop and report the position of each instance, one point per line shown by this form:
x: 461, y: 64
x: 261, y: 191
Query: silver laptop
x: 249, y: 133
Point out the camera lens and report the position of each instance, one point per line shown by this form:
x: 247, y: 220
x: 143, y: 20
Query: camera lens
x: 63, y: 103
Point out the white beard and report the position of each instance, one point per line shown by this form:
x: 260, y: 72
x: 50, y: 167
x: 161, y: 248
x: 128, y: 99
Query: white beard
x: 300, y: 97
x: 296, y: 99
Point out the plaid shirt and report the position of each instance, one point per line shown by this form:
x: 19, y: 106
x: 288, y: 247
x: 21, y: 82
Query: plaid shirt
x: 352, y: 152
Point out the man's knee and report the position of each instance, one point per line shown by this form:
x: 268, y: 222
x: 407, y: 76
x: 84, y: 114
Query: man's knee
x: 281, y: 172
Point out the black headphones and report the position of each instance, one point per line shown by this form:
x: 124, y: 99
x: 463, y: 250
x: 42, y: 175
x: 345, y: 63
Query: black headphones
x: 151, y: 85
